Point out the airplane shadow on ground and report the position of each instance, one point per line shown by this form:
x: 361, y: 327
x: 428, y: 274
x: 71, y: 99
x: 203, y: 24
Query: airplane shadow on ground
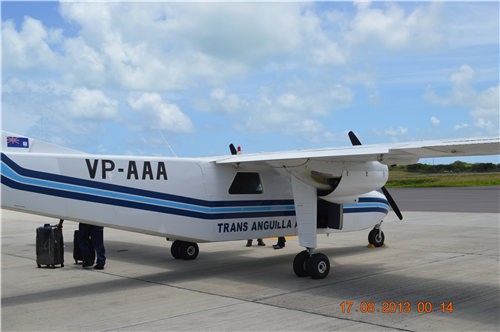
x: 223, y: 263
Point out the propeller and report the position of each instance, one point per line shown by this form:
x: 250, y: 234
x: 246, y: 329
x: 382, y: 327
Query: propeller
x: 355, y: 141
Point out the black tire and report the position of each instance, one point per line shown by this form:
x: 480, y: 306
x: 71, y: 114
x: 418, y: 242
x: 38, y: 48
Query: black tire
x: 189, y: 250
x: 376, y: 238
x: 318, y: 266
x: 175, y: 249
x: 299, y: 264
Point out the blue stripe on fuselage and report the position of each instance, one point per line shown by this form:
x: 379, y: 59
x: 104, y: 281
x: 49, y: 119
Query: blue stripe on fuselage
x: 20, y: 178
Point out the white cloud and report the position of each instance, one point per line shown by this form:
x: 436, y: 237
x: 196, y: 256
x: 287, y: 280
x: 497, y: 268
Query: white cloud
x: 162, y: 46
x: 87, y: 64
x: 290, y: 101
x: 483, y: 106
x: 220, y: 100
x: 240, y: 31
x: 393, y: 28
x: 95, y: 20
x: 462, y: 93
x: 298, y: 111
x: 91, y: 105
x: 341, y: 96
x: 280, y: 68
x: 29, y: 47
x: 56, y: 112
x: 391, y: 132
x: 172, y: 46
x: 108, y: 50
x: 462, y: 76
x: 158, y: 114
x: 461, y: 126
x: 294, y: 107
x: 17, y: 86
x: 330, y: 53
x: 469, y: 25
x: 368, y: 80
x: 325, y: 47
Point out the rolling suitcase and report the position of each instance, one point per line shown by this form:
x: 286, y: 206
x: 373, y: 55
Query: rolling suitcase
x: 77, y: 254
x: 49, y: 246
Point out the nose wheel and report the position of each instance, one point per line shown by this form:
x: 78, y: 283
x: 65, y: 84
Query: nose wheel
x: 376, y: 237
x: 316, y: 265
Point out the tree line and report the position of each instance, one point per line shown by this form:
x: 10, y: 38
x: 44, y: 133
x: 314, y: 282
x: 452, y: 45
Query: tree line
x: 456, y: 167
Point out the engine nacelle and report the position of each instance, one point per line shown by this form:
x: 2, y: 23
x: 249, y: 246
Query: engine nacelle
x: 343, y: 182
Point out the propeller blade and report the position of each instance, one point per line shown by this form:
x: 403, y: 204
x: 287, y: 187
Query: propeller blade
x: 393, y: 204
x: 354, y: 139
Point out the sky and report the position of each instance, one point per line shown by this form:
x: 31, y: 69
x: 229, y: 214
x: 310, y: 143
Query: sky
x: 188, y: 79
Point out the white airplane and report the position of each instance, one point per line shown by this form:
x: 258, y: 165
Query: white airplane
x: 225, y: 198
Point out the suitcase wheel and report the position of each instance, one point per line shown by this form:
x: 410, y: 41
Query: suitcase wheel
x: 39, y: 266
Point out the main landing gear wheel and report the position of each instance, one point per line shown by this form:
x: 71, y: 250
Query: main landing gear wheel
x: 184, y: 250
x: 299, y: 264
x: 175, y: 249
x: 376, y: 237
x: 316, y: 266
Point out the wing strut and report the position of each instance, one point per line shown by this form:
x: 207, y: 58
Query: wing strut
x: 307, y: 262
x: 305, y: 200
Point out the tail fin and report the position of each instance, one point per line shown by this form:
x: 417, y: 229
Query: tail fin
x: 18, y: 143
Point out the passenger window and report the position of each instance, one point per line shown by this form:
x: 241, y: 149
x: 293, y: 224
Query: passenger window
x: 246, y: 183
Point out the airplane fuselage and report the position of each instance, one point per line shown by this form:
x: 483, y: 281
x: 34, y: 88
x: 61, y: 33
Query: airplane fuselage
x: 190, y: 199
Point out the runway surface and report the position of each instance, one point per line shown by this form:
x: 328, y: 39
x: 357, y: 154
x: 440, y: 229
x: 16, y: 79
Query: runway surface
x: 459, y: 199
x: 447, y: 260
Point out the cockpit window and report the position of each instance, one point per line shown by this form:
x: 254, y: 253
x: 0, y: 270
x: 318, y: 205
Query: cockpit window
x: 246, y: 183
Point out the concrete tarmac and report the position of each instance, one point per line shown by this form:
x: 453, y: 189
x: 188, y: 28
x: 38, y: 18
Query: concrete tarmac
x: 447, y: 260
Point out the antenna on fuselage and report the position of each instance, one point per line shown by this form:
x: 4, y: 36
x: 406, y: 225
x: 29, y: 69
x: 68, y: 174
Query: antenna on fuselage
x: 232, y: 149
x: 166, y: 142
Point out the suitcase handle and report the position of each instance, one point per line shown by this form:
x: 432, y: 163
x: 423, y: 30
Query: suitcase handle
x: 60, y: 225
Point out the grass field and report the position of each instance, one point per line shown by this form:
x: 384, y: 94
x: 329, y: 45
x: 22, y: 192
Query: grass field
x: 403, y: 179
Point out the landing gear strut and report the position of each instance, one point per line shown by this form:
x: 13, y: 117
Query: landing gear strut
x: 314, y: 265
x: 184, y: 250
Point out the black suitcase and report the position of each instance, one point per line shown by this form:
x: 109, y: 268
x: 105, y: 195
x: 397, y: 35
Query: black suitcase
x: 77, y: 254
x: 49, y: 246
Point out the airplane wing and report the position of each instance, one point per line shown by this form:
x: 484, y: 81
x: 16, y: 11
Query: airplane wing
x: 389, y: 154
